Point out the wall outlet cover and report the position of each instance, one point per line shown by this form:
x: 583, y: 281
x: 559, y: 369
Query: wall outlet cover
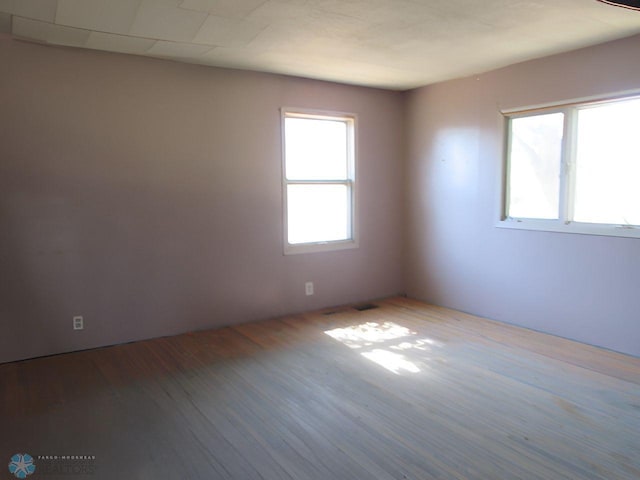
x: 78, y: 323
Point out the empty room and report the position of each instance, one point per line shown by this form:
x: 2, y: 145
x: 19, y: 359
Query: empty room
x: 320, y: 239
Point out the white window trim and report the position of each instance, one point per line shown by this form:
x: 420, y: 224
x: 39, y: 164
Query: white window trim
x: 563, y: 224
x: 352, y: 160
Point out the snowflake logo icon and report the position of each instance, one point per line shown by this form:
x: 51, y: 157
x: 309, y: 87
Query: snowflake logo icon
x: 21, y: 465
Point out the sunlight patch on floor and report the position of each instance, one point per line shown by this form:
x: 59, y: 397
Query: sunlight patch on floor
x: 423, y: 344
x: 368, y: 334
x: 387, y: 344
x: 394, y: 362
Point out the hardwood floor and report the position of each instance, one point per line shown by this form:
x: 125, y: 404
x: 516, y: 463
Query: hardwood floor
x: 403, y: 391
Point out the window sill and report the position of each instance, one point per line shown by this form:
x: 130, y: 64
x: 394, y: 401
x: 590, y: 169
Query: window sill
x: 297, y: 248
x: 571, y: 227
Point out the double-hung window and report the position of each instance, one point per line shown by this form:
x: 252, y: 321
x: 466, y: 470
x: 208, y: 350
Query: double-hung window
x: 575, y: 168
x: 319, y: 181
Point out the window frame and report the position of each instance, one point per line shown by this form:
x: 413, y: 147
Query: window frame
x: 564, y: 223
x: 322, y: 246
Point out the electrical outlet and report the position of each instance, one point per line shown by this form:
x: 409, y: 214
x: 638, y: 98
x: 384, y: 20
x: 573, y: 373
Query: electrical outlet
x: 308, y: 288
x: 78, y: 323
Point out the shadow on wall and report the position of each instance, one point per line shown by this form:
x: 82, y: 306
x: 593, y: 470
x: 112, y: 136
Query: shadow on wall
x: 40, y: 266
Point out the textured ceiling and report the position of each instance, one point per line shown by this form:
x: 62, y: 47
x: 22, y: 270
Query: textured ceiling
x: 397, y: 44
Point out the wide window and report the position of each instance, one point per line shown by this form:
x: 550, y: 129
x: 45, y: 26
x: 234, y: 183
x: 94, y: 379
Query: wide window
x: 319, y: 181
x: 575, y: 169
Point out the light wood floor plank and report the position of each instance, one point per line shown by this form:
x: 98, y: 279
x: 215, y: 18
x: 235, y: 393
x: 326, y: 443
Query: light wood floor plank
x: 402, y: 391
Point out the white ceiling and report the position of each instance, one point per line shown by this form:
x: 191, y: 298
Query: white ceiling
x: 396, y: 44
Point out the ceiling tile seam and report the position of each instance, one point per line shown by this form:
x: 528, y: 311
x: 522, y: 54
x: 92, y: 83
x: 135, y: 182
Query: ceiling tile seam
x: 204, y: 20
x: 256, y: 35
x: 55, y: 17
x: 255, y: 8
x: 148, y: 50
x: 133, y: 21
x: 262, y: 29
x: 56, y: 22
x: 208, y: 13
x: 212, y: 46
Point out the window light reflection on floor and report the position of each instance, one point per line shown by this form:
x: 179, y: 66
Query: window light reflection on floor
x: 424, y: 344
x: 394, y: 362
x: 393, y: 337
x: 370, y: 333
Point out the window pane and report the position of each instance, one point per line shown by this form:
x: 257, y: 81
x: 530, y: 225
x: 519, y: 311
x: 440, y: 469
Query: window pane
x: 607, y: 186
x: 534, y: 166
x: 318, y: 213
x: 315, y: 149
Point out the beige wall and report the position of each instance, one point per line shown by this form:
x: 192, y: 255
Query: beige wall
x: 579, y: 286
x: 146, y: 195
